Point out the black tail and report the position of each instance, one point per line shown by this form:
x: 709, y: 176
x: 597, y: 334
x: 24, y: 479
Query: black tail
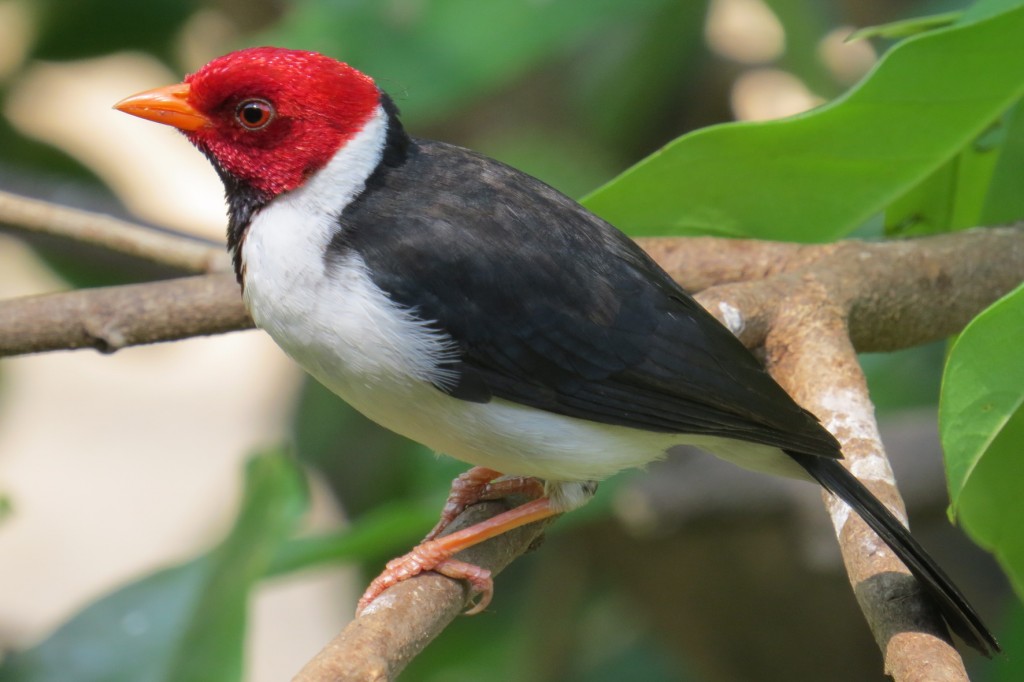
x: 959, y: 614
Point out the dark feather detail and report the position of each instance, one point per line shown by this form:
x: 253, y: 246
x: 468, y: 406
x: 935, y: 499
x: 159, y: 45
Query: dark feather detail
x: 955, y: 608
x: 244, y: 201
x: 396, y: 145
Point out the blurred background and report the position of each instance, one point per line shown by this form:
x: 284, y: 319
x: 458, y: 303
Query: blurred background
x: 113, y: 467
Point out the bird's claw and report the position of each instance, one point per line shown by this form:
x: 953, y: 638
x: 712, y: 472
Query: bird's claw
x: 479, y: 579
x: 436, y: 554
x: 426, y: 557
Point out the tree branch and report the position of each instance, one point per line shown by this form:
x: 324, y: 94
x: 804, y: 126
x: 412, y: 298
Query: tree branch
x: 396, y: 627
x: 894, y: 294
x: 111, y: 318
x: 810, y: 354
x: 31, y: 216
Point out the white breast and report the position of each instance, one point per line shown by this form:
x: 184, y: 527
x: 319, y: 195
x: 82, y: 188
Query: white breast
x: 384, y: 361
x: 328, y: 314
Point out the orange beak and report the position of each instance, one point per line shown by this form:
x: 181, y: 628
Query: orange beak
x: 168, y: 105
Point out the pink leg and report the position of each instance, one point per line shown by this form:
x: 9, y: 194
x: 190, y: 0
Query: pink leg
x: 478, y: 484
x: 436, y: 554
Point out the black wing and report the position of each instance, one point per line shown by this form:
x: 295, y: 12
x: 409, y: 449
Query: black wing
x: 554, y: 308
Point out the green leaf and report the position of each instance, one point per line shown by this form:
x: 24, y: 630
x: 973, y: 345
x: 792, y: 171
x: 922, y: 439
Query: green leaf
x: 132, y: 634
x: 981, y: 421
x: 1004, y: 202
x: 953, y: 197
x: 820, y: 175
x: 926, y: 208
x: 989, y: 507
x: 275, y: 499
x: 983, y: 386
x: 906, y: 27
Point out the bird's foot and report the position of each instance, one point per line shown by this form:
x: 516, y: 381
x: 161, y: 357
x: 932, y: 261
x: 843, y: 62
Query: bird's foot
x: 436, y: 554
x: 427, y: 557
x: 478, y: 484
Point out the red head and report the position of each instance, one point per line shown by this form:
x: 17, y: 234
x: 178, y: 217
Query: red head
x: 267, y: 116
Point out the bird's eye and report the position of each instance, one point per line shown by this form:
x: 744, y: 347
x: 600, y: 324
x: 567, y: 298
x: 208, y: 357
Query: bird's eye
x: 254, y: 114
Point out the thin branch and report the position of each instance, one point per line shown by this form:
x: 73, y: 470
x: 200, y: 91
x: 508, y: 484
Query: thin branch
x: 111, y: 318
x: 177, y: 251
x: 407, y: 617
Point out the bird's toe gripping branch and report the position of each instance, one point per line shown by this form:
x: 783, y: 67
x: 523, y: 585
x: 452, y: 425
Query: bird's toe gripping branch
x: 479, y: 484
x: 436, y: 554
x: 427, y: 557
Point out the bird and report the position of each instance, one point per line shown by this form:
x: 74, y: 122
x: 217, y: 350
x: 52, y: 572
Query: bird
x: 474, y: 309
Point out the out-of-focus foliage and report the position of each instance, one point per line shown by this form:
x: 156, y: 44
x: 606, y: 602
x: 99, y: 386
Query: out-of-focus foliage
x: 128, y: 636
x: 73, y: 29
x: 184, y: 623
x: 576, y: 91
x: 435, y: 56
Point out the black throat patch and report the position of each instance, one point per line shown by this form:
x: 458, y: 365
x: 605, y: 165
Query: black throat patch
x: 244, y: 201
